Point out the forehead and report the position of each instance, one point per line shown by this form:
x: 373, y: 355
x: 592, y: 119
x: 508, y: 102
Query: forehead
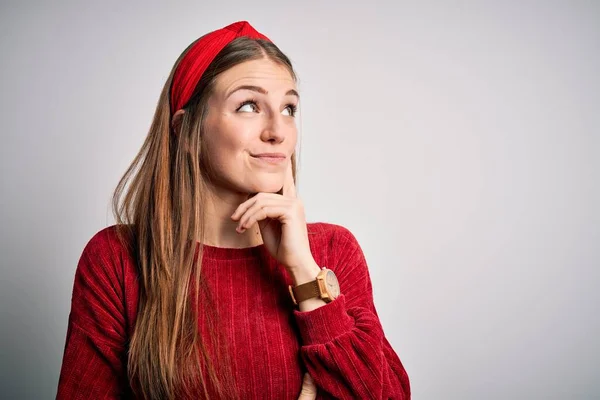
x: 272, y: 76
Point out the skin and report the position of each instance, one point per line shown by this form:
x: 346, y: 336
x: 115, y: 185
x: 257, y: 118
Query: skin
x: 252, y: 202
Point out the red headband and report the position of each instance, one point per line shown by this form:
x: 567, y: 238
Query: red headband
x: 200, y: 55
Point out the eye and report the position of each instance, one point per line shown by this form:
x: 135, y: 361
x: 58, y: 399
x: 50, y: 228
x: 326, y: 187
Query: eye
x: 247, y: 106
x: 291, y: 110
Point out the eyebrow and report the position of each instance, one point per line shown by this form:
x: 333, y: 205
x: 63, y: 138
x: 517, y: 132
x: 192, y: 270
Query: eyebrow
x: 258, y: 89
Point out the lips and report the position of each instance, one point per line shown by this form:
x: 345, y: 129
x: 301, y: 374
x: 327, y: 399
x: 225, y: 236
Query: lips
x: 269, y: 155
x: 270, y: 158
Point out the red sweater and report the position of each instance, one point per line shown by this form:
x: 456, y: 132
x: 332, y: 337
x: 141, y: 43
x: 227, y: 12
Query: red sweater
x: 341, y: 344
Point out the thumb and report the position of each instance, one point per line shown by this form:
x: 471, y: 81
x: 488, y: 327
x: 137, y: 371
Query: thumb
x: 309, y: 389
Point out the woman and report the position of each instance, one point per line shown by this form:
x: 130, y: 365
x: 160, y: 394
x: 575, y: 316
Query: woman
x: 212, y: 284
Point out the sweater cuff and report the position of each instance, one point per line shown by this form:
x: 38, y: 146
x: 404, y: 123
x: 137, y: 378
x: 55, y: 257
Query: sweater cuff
x: 325, y: 323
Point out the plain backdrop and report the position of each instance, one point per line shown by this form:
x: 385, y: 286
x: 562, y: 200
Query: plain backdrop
x: 458, y: 140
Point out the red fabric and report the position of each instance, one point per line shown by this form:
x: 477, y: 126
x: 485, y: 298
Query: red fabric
x: 200, y: 55
x: 341, y: 344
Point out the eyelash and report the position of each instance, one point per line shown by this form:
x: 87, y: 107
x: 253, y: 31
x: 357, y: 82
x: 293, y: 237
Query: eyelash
x: 293, y: 108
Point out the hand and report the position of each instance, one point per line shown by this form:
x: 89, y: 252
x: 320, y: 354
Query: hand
x: 309, y: 389
x: 282, y: 224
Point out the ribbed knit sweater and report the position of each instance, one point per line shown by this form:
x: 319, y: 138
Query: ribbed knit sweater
x: 341, y: 344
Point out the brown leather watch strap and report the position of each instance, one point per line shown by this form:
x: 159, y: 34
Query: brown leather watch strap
x: 307, y: 290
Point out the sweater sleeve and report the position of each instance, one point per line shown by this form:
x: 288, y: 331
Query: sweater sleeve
x: 344, y: 347
x: 94, y: 357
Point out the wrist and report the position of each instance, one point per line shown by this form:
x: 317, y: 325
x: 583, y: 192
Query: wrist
x: 308, y: 272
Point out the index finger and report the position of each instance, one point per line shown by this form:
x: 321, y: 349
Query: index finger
x: 289, y: 186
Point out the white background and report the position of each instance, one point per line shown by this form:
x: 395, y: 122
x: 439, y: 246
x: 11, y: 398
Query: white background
x: 457, y: 140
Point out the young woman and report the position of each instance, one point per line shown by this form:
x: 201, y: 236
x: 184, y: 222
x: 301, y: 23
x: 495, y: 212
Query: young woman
x: 212, y: 284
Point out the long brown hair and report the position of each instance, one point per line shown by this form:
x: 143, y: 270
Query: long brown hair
x: 160, y: 212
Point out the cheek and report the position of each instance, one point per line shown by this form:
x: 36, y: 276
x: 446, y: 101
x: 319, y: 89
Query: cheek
x: 291, y: 134
x: 227, y: 144
x: 228, y: 135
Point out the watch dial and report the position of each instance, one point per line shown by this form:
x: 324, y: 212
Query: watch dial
x: 333, y: 287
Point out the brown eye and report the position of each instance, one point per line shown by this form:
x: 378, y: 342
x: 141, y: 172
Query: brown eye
x: 291, y: 110
x: 247, y: 106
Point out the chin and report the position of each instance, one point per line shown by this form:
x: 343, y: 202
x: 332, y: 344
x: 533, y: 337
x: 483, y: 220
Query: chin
x: 267, y: 187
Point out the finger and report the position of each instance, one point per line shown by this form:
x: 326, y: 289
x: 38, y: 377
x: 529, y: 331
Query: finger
x: 289, y: 186
x: 273, y: 211
x: 266, y: 199
x: 242, y: 208
x: 309, y: 389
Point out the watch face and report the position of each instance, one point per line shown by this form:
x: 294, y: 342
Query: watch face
x: 333, y: 287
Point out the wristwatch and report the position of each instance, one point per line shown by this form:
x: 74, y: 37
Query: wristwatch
x: 325, y: 287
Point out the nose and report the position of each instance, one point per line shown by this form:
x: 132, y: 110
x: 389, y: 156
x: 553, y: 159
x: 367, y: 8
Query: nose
x: 274, y: 129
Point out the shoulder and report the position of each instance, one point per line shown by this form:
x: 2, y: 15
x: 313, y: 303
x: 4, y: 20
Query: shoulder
x: 334, y: 246
x: 107, y: 237
x: 112, y: 239
x: 331, y: 235
x: 106, y: 253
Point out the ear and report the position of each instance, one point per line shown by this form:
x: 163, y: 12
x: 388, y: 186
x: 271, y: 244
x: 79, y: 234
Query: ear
x: 176, y: 121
